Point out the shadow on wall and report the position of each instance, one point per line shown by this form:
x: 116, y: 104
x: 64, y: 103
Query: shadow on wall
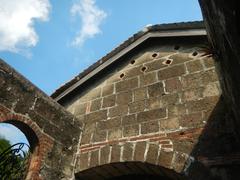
x: 217, y: 150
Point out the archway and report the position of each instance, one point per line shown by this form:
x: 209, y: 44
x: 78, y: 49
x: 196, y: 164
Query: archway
x: 128, y: 170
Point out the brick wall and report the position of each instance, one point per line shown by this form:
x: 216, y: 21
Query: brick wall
x: 151, y: 107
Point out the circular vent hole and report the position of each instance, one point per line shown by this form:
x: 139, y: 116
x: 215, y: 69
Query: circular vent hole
x: 177, y: 47
x: 168, y: 61
x: 154, y: 55
x: 122, y: 75
x: 143, y: 69
x: 195, y: 53
x: 132, y: 62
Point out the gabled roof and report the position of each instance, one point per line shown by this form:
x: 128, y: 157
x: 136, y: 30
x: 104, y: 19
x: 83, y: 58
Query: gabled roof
x: 182, y: 29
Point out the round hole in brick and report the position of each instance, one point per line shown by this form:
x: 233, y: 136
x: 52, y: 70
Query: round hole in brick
x: 154, y: 55
x: 177, y: 47
x: 132, y: 62
x: 168, y: 61
x: 143, y: 69
x: 195, y: 53
x: 122, y: 75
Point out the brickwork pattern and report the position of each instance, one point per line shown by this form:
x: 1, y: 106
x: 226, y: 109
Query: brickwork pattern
x: 158, y: 93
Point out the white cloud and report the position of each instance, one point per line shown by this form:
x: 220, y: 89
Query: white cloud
x: 91, y: 17
x: 17, y: 23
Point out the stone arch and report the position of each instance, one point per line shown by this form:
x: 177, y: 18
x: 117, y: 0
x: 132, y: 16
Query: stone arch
x: 40, y: 143
x: 155, y: 149
x: 127, y: 170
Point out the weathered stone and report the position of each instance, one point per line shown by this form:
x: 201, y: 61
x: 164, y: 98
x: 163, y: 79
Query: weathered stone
x: 155, y: 65
x: 127, y: 152
x: 118, y: 110
x: 140, y: 94
x: 152, y: 103
x: 211, y: 89
x: 116, y: 153
x: 99, y: 136
x: 191, y: 120
x: 170, y: 99
x: 148, y: 78
x: 94, y: 160
x: 168, y: 124
x: 124, y: 98
x: 152, y: 153
x: 129, y: 119
x: 104, y: 157
x: 126, y: 84
x: 170, y: 72
x: 83, y: 161
x: 209, y: 76
x: 194, y: 66
x: 139, y: 151
x: 150, y: 127
x: 96, y: 116
x: 173, y: 85
x: 109, y: 101
x: 165, y: 159
x: 107, y: 89
x: 155, y: 90
x: 136, y: 106
x: 80, y: 109
x: 180, y: 58
x: 208, y: 62
x: 151, y: 115
x: 131, y: 130
x: 114, y: 134
x: 191, y: 81
x: 96, y: 105
x: 192, y: 94
x: 110, y: 123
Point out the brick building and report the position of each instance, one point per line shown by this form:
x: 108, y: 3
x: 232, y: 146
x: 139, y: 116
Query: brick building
x: 152, y: 108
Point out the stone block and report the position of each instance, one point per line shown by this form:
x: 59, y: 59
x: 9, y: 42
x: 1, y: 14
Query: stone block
x: 165, y: 159
x: 80, y: 109
x: 152, y: 154
x: 94, y: 160
x: 173, y: 85
x: 176, y: 110
x: 83, y: 161
x: 180, y: 58
x: 169, y: 99
x: 170, y: 72
x: 153, y: 103
x: 124, y: 98
x: 151, y: 115
x: 211, y: 89
x: 148, y: 78
x: 149, y: 127
x: 99, y: 136
x: 132, y: 72
x: 93, y: 94
x: 203, y: 104
x: 139, y: 151
x: 131, y: 130
x: 107, y: 89
x: 140, y: 94
x: 169, y: 124
x: 179, y: 161
x: 137, y: 106
x: 126, y: 85
x: 110, y: 123
x: 109, y: 101
x: 96, y: 105
x: 209, y: 76
x: 86, y: 138
x: 191, y: 120
x: 116, y: 153
x: 96, y: 116
x: 208, y: 62
x: 104, y: 157
x: 114, y: 134
x: 118, y: 110
x: 129, y: 119
x: 155, y: 90
x: 192, y: 94
x: 155, y: 65
x: 127, y: 152
x: 194, y: 66
x: 192, y: 81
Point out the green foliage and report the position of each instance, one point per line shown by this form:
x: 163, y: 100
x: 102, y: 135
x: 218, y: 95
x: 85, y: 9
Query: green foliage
x: 13, y: 161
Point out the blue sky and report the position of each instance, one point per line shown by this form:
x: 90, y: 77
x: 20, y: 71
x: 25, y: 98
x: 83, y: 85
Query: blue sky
x: 51, y: 41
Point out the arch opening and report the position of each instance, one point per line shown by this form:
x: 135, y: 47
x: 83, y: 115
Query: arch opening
x: 128, y: 170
